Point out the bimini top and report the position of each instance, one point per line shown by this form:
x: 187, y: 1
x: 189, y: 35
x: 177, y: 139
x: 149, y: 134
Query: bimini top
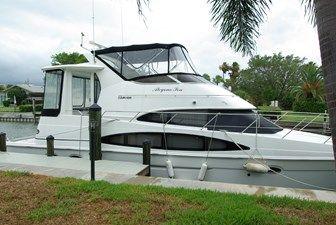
x: 147, y: 62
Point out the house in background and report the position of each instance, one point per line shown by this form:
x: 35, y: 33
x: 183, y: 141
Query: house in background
x: 33, y: 92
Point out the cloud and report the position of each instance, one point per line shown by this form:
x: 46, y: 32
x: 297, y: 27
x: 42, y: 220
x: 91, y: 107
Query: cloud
x: 32, y: 30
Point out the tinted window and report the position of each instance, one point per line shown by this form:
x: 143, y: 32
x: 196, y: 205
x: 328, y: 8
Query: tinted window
x: 186, y: 78
x: 155, y: 79
x: 185, y: 142
x: 234, y: 121
x: 174, y: 141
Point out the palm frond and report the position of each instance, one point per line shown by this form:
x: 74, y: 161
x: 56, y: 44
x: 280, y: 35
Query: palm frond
x: 140, y: 4
x: 309, y: 7
x: 239, y: 21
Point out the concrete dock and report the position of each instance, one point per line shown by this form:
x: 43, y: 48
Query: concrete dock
x: 127, y: 172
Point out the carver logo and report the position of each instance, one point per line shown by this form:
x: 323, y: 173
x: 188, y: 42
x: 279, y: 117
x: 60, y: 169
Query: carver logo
x: 165, y: 90
x: 124, y: 97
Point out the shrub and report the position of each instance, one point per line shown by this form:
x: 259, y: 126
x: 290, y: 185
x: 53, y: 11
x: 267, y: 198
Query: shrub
x: 286, y: 102
x: 6, y: 103
x: 309, y: 105
x: 29, y: 108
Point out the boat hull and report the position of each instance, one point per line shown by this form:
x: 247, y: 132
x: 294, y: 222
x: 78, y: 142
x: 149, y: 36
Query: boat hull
x: 292, y: 173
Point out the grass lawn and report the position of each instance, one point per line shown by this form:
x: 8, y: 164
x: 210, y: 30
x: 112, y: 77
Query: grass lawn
x: 32, y: 199
x: 9, y: 109
x: 292, y: 116
x: 298, y: 117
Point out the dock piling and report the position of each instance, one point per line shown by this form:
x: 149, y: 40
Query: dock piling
x: 146, y: 154
x: 50, y: 145
x: 3, y: 147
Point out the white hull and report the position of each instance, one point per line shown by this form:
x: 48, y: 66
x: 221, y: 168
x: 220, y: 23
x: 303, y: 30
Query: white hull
x: 221, y: 169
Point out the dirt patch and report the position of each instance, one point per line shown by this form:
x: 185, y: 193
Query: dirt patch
x: 306, y: 216
x: 21, y: 194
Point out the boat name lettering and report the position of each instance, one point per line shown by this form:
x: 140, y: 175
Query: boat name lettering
x: 161, y: 90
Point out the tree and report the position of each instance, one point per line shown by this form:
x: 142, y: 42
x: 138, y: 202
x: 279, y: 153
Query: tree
x: 311, y: 86
x: 67, y: 58
x: 239, y: 22
x: 19, y: 93
x: 233, y: 72
x: 206, y: 76
x: 218, y: 79
x: 269, y: 78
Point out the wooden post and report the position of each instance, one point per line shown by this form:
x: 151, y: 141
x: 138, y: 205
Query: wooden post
x: 325, y: 125
x: 34, y: 112
x: 95, y: 136
x: 3, y: 147
x: 146, y: 154
x: 50, y: 145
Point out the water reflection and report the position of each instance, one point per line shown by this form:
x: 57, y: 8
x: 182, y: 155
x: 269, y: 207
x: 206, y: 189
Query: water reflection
x: 18, y: 130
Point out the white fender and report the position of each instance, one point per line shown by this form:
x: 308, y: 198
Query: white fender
x: 202, y: 171
x: 256, y: 167
x: 170, y: 168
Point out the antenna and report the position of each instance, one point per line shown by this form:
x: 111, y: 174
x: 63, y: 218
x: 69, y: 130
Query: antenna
x: 93, y: 30
x: 121, y: 22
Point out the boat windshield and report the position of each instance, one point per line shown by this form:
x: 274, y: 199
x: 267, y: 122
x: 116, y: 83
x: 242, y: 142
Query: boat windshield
x: 145, y: 61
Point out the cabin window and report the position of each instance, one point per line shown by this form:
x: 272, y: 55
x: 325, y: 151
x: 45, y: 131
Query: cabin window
x: 81, y: 96
x: 52, y: 93
x: 233, y: 121
x: 97, y: 88
x: 186, y: 142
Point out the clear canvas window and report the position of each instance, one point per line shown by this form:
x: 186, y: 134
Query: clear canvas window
x: 81, y: 92
x: 52, y: 93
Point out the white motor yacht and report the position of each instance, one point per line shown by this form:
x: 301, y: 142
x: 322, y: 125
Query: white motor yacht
x: 198, y: 130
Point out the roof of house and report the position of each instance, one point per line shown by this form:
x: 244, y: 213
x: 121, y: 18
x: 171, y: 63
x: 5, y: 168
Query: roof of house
x: 31, y: 88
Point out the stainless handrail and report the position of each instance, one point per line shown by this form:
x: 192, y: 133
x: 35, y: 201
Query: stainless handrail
x: 293, y: 128
x: 210, y: 121
x: 310, y: 122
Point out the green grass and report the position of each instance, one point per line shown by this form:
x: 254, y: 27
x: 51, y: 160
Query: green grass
x: 9, y: 109
x: 49, y: 210
x: 268, y: 108
x: 298, y: 117
x: 293, y: 116
x: 12, y: 173
x: 72, y: 201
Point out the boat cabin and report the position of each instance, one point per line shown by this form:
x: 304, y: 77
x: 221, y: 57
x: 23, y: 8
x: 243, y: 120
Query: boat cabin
x: 69, y: 88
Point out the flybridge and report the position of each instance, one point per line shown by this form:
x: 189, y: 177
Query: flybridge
x: 137, y: 62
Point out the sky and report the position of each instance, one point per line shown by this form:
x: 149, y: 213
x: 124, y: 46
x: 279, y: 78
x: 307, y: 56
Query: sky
x: 33, y: 30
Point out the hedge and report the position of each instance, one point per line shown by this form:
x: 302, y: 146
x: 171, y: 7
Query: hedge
x: 6, y: 103
x: 29, y: 108
x: 309, y: 105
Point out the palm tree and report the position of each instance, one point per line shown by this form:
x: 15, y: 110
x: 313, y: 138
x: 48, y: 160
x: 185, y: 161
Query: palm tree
x: 232, y: 70
x: 218, y: 79
x: 239, y: 22
x: 312, y: 83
